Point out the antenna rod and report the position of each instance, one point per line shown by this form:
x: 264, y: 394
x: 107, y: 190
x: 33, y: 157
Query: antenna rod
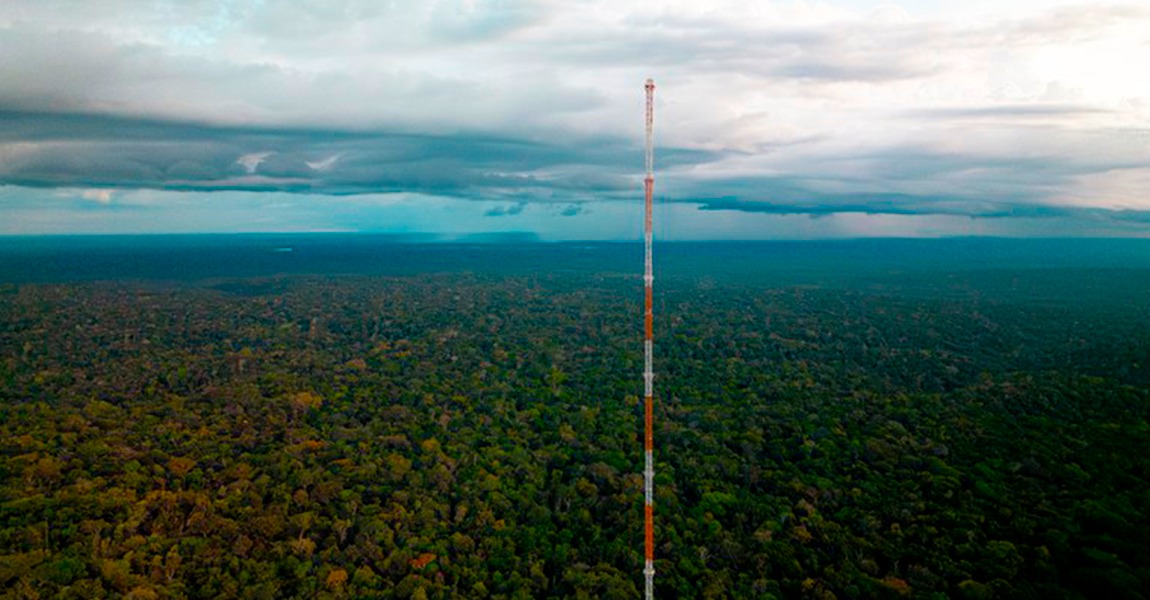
x: 648, y: 357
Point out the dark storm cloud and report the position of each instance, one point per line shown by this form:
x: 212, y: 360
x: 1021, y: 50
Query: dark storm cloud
x: 85, y: 151
x: 916, y: 181
x: 70, y: 150
x: 906, y: 205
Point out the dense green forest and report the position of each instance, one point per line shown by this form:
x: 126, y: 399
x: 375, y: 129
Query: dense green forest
x: 478, y: 436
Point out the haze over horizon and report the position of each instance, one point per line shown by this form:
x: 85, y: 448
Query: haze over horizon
x: 841, y: 118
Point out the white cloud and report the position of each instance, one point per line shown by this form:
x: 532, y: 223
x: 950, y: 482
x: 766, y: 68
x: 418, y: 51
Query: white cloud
x: 323, y: 164
x: 251, y: 162
x: 100, y: 196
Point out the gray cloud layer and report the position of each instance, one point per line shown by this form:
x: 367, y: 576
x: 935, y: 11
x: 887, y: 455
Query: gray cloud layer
x: 90, y: 151
x: 79, y: 150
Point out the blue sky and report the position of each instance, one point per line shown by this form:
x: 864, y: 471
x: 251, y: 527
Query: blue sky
x: 774, y: 119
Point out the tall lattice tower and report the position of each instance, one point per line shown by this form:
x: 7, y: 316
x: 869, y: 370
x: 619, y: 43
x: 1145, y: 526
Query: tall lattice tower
x: 648, y: 356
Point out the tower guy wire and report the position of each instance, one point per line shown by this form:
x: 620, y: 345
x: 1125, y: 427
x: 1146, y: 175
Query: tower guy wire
x: 648, y: 356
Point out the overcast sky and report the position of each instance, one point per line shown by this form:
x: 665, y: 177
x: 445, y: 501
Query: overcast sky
x: 789, y: 119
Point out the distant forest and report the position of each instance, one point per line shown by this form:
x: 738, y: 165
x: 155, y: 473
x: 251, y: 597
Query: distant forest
x: 478, y: 436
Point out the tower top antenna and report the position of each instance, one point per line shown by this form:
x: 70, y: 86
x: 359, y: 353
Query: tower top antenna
x: 650, y: 87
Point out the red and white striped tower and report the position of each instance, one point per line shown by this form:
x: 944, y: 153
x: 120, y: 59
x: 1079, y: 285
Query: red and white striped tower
x: 648, y: 357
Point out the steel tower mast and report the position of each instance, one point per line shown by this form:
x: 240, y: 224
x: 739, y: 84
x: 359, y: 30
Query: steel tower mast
x: 648, y: 357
